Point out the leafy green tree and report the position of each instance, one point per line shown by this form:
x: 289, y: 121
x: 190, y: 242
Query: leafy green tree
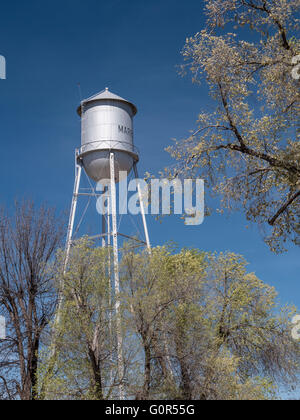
x: 247, y: 149
x: 147, y: 284
x: 246, y: 323
x: 194, y: 326
x: 207, y: 328
x: 85, y: 359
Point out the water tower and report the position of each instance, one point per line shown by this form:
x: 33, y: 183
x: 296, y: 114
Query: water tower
x: 107, y: 126
x: 107, y: 148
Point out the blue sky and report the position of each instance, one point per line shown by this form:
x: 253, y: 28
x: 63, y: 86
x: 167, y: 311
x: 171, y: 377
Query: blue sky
x: 133, y: 47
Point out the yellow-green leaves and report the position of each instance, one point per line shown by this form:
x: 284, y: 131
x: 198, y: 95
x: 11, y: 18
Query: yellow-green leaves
x: 247, y: 149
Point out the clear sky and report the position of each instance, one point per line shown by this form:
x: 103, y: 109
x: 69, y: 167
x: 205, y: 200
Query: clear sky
x: 133, y: 47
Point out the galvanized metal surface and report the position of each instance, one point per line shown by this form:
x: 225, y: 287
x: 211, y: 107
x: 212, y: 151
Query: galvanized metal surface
x: 117, y: 278
x: 106, y: 94
x: 106, y: 126
x: 142, y: 208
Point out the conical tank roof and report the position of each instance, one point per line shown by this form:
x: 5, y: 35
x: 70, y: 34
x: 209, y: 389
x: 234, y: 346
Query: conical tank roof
x: 105, y: 95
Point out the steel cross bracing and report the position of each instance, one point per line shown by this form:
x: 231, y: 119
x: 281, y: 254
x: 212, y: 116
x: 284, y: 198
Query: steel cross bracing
x: 110, y: 233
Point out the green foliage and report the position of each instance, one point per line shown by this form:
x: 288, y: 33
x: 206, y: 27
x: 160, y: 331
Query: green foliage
x: 208, y: 329
x: 194, y: 326
x: 85, y: 359
x: 248, y: 149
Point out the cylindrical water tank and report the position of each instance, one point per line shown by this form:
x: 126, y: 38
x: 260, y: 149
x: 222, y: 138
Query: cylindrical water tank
x: 106, y: 126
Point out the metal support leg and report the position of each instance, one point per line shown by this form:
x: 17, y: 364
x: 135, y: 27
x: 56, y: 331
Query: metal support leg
x: 103, y: 218
x: 106, y: 229
x: 108, y: 223
x: 110, y: 286
x: 103, y: 231
x: 142, y: 207
x: 72, y: 214
x: 78, y: 170
x: 116, y: 276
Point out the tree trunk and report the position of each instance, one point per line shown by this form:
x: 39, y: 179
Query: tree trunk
x: 33, y: 370
x: 185, y: 376
x: 147, y: 371
x: 97, y: 375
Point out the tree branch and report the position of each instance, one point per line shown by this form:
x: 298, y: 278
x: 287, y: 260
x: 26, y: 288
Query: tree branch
x: 243, y: 148
x: 283, y: 208
x: 282, y: 31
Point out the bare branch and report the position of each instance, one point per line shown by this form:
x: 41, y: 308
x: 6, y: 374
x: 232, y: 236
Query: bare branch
x: 283, y: 208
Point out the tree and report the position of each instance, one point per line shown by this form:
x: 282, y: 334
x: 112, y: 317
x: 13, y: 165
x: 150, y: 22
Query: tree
x: 248, y: 148
x: 194, y: 326
x: 146, y: 284
x: 245, y: 326
x: 207, y: 328
x: 86, y: 356
x: 28, y: 242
